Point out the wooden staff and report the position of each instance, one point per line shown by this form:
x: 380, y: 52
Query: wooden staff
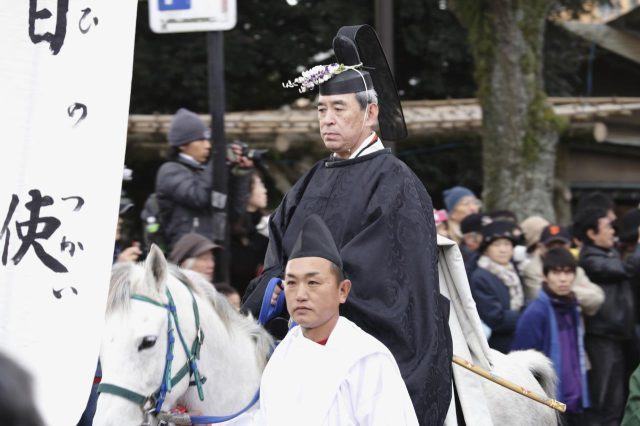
x: 556, y: 405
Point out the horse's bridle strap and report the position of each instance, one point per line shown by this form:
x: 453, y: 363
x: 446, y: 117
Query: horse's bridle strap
x: 193, y: 353
x: 149, y: 300
x: 140, y: 400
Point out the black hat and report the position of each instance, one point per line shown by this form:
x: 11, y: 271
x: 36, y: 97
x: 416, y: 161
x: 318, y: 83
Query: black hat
x: 473, y: 223
x: 359, y: 44
x: 361, y: 66
x: 315, y: 240
x: 191, y: 245
x: 504, y: 215
x: 553, y: 233
x: 349, y: 81
x: 628, y: 226
x: 496, y: 230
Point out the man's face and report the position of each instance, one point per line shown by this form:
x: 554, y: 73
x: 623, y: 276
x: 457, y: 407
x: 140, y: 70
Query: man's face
x: 199, y: 150
x: 342, y: 122
x: 314, y: 296
x: 560, y: 280
x: 605, y: 235
x: 205, y: 264
x: 466, y: 206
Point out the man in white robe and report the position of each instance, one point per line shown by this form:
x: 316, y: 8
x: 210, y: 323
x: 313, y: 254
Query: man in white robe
x: 328, y: 371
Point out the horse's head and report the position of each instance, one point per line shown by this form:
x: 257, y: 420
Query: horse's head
x: 134, y: 344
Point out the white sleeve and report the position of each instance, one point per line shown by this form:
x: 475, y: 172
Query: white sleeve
x: 379, y: 396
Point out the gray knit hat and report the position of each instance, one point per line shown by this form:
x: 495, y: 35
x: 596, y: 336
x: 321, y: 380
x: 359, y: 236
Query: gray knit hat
x: 187, y: 127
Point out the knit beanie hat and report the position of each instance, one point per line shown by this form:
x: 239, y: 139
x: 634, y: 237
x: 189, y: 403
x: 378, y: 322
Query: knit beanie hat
x: 453, y: 195
x: 532, y: 228
x: 187, y: 127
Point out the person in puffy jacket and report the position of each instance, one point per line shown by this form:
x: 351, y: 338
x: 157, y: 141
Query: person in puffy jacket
x: 609, y: 332
x: 184, y: 183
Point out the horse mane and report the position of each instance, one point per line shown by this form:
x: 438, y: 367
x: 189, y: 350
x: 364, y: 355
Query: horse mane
x: 233, y: 320
x: 127, y: 277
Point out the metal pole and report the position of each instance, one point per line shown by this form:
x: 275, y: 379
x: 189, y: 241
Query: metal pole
x: 215, y: 48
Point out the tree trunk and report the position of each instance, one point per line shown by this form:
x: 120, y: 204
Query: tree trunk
x: 520, y: 130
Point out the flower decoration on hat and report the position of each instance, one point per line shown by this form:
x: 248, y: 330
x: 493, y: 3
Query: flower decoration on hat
x: 318, y: 75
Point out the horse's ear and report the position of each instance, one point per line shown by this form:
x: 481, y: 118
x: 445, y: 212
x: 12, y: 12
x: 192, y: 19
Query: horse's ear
x: 156, y: 268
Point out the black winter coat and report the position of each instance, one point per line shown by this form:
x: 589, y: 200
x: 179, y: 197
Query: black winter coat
x: 494, y: 307
x: 184, y: 197
x: 604, y: 267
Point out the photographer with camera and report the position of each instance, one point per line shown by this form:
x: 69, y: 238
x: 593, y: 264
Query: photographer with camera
x: 184, y: 183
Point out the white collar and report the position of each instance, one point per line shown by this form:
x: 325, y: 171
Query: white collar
x: 189, y: 159
x: 365, y: 146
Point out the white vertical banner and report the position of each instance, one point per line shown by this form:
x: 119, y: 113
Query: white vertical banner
x: 65, y: 81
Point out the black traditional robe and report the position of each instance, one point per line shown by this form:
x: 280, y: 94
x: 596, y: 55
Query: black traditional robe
x: 381, y: 218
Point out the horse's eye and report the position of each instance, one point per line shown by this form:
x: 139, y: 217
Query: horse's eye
x: 147, y: 342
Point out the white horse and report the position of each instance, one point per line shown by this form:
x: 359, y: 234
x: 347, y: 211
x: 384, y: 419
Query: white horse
x: 235, y: 349
x: 531, y: 370
x: 483, y: 402
x: 134, y: 346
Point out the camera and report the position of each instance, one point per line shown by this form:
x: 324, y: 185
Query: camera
x: 255, y: 155
x: 250, y: 153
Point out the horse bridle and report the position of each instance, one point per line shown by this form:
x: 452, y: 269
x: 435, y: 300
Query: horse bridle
x: 153, y: 403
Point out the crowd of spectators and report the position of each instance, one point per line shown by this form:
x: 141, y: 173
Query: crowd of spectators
x: 567, y: 290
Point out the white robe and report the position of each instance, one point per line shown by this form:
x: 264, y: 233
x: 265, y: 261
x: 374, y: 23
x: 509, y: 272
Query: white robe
x: 352, y: 380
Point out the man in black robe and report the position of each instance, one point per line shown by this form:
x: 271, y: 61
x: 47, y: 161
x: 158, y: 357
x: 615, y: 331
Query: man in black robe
x: 381, y: 218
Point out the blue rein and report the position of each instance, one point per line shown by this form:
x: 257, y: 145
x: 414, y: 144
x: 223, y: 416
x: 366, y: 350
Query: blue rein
x: 200, y: 420
x: 267, y: 310
x: 267, y: 313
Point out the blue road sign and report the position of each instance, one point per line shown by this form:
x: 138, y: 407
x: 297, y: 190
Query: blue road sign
x: 174, y: 4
